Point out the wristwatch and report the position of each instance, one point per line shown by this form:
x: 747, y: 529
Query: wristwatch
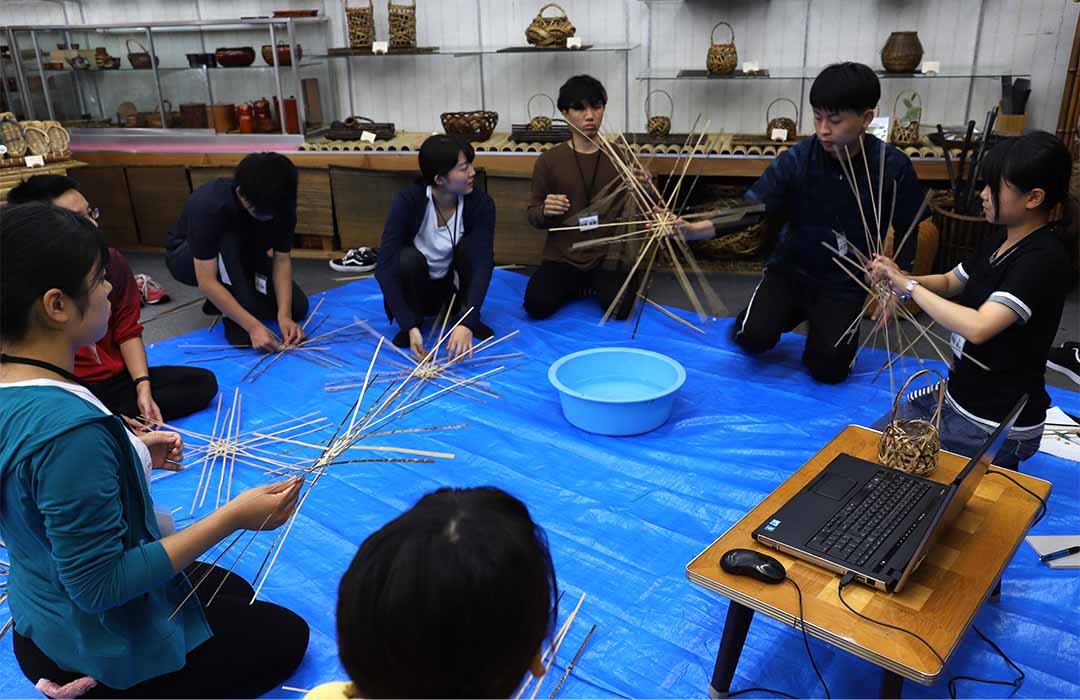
x: 905, y: 295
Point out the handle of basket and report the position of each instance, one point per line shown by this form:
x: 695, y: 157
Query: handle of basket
x: 712, y: 34
x: 556, y: 5
x: 768, y: 109
x: 896, y: 102
x: 903, y: 389
x: 128, y: 45
x: 398, y: 4
x: 648, y: 111
x: 528, y: 105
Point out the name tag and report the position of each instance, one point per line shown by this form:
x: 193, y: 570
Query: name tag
x: 590, y: 222
x: 956, y: 342
x: 260, y: 283
x: 841, y: 244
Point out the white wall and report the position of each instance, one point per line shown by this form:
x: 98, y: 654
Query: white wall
x: 992, y: 35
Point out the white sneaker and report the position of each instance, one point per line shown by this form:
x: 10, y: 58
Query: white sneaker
x: 355, y: 260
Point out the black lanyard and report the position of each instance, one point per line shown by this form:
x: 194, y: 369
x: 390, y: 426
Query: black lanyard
x: 41, y: 364
x: 590, y: 187
x: 451, y: 225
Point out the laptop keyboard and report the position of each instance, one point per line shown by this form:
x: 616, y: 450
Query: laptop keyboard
x: 867, y: 520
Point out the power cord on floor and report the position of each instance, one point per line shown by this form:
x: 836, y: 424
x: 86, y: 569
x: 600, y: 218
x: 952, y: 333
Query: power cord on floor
x: 1016, y: 683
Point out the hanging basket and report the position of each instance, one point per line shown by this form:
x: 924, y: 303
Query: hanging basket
x: 785, y: 123
x: 905, y: 132
x: 361, y: 23
x: 912, y: 444
x: 658, y: 126
x: 722, y: 58
x: 140, y: 59
x: 13, y: 136
x: 402, y: 25
x: 547, y: 32
x: 471, y: 126
x: 540, y: 123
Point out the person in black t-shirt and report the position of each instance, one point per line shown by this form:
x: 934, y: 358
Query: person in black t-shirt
x: 1007, y: 302
x: 233, y: 241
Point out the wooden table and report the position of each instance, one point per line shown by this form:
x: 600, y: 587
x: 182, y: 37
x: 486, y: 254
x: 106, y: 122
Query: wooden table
x: 939, y: 601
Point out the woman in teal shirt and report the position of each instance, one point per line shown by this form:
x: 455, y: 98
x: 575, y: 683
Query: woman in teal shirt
x: 93, y: 585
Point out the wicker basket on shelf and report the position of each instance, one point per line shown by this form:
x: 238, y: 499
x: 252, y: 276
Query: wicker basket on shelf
x: 786, y: 123
x: 12, y: 134
x: 402, y: 25
x: 722, y: 58
x: 140, y: 60
x: 905, y: 129
x: 656, y: 125
x: 540, y: 123
x: 550, y: 31
x: 912, y: 445
x: 59, y: 138
x: 471, y: 126
x: 37, y: 140
x: 361, y: 23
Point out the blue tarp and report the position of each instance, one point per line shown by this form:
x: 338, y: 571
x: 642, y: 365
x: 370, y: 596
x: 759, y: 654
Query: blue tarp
x: 624, y: 515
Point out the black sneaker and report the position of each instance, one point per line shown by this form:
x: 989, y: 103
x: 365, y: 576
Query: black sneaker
x: 355, y: 260
x: 1066, y: 360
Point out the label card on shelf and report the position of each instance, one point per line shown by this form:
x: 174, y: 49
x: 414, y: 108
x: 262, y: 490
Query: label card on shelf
x: 573, y: 42
x: 750, y: 67
x: 931, y: 67
x: 380, y: 46
x: 35, y: 161
x: 778, y: 135
x: 367, y: 136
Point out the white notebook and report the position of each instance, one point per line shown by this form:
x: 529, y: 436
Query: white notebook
x: 1044, y: 544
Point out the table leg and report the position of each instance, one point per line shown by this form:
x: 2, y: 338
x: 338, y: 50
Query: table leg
x: 892, y: 685
x: 727, y: 656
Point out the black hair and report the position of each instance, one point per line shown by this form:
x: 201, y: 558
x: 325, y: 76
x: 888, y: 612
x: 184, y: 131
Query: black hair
x: 41, y: 188
x: 268, y: 181
x: 580, y: 92
x: 43, y: 247
x: 452, y: 599
x: 1036, y: 160
x: 846, y: 87
x: 439, y: 155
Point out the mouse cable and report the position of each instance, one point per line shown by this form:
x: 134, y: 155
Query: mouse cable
x: 806, y: 641
x: 1040, y: 499
x: 848, y: 578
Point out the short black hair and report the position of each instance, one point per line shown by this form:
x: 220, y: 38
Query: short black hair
x: 452, y: 599
x: 439, y: 155
x: 846, y: 87
x: 41, y: 188
x: 580, y: 92
x: 268, y: 181
x: 43, y: 247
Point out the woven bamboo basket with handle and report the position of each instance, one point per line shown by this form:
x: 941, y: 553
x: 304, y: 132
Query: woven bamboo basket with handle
x: 37, y: 140
x: 402, y: 25
x: 658, y: 125
x: 786, y: 123
x: 550, y: 31
x: 140, y: 59
x: 540, y: 123
x: 13, y: 136
x: 905, y: 131
x: 722, y: 58
x: 361, y: 23
x: 912, y: 445
x: 471, y: 126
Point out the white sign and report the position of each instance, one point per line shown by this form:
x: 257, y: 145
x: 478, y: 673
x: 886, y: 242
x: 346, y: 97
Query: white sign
x: 35, y: 161
x: 750, y: 66
x: 931, y: 67
x: 590, y: 222
x: 367, y: 136
x: 778, y: 135
x: 573, y: 42
x: 380, y: 46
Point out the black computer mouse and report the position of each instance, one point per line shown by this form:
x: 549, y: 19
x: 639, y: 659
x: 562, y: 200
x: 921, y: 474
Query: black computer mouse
x: 747, y: 562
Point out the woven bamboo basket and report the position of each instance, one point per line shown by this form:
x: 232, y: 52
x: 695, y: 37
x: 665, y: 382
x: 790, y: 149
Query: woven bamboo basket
x: 786, y: 123
x: 13, y: 137
x: 361, y: 22
x: 540, y: 123
x: 658, y: 125
x: 402, y: 25
x: 546, y: 32
x: 59, y: 138
x: 722, y: 58
x: 140, y: 59
x: 471, y: 126
x: 37, y: 141
x: 905, y: 132
x: 912, y: 445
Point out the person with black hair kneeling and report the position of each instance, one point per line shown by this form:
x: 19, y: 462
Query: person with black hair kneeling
x: 452, y: 599
x: 808, y: 196
x: 233, y: 241
x: 437, y: 230
x: 99, y: 598
x: 116, y: 368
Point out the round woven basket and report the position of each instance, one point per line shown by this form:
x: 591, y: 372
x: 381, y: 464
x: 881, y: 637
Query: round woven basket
x: 906, y: 134
x: 11, y: 132
x: 551, y: 31
x: 786, y: 123
x: 912, y: 445
x: 471, y: 126
x: 722, y: 58
x: 59, y: 138
x: 540, y: 123
x: 37, y: 140
x: 658, y: 125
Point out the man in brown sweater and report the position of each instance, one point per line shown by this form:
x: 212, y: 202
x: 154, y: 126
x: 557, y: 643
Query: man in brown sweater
x: 565, y: 183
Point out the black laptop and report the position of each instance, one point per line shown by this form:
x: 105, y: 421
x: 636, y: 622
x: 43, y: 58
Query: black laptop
x: 877, y: 523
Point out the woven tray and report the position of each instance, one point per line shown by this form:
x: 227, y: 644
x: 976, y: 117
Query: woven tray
x: 523, y: 134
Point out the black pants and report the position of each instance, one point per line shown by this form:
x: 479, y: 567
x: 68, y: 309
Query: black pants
x: 784, y: 299
x: 254, y: 649
x: 554, y: 284
x: 242, y: 261
x: 427, y: 297
x: 178, y: 391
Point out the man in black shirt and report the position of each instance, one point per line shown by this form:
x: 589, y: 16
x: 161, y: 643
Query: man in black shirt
x: 233, y: 241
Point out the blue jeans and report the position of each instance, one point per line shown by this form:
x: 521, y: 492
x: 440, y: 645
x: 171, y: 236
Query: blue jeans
x: 962, y: 436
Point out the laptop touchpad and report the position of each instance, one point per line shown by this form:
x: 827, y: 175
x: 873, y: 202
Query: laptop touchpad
x: 833, y: 486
